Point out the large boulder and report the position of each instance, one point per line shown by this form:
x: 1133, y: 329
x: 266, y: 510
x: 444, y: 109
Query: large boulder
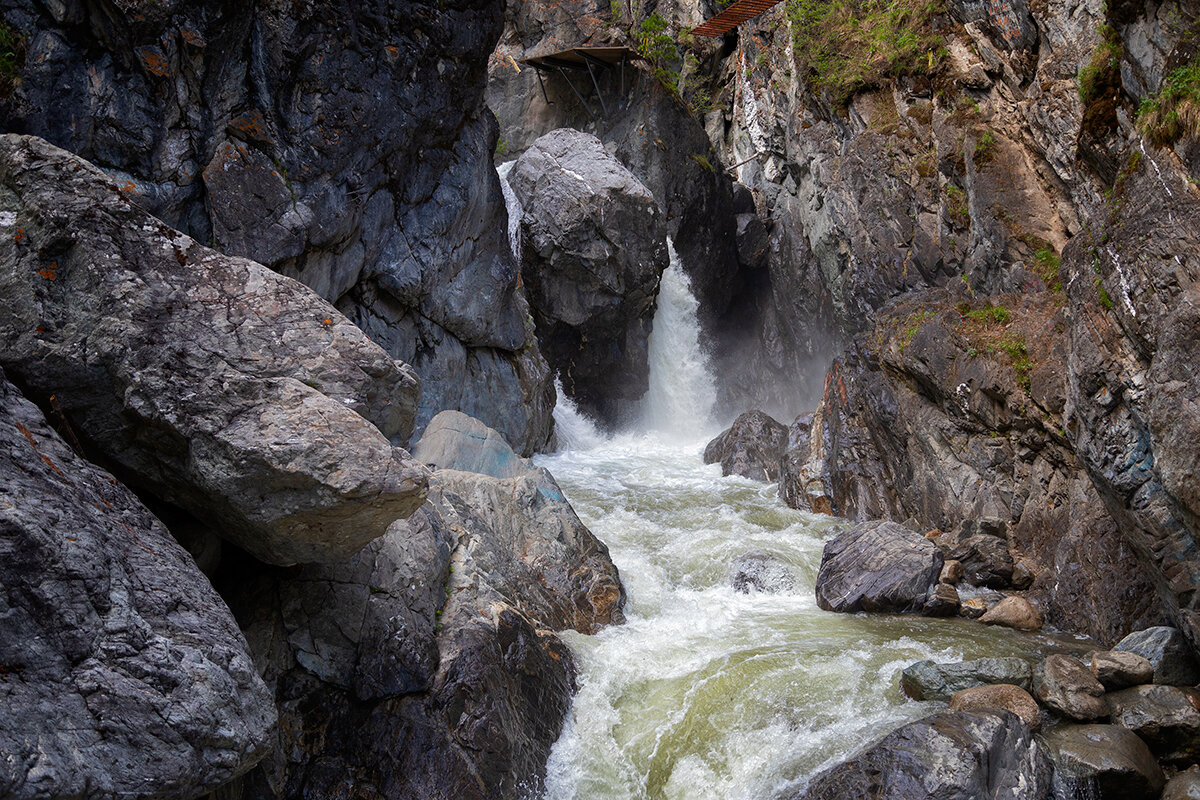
x: 594, y: 245
x: 452, y: 440
x: 210, y: 381
x: 927, y: 680
x: 1167, y: 718
x: 1065, y: 685
x: 1168, y: 651
x: 959, y: 755
x: 877, y: 566
x: 1014, y: 612
x: 122, y: 673
x: 1106, y: 762
x: 752, y: 447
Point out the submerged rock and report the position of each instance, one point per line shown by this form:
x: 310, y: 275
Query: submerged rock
x: 122, y: 673
x: 594, y: 247
x: 1106, y: 762
x: 209, y: 381
x: 958, y: 755
x: 752, y: 447
x: 1167, y: 650
x: 928, y: 680
x: 760, y: 572
x: 877, y: 566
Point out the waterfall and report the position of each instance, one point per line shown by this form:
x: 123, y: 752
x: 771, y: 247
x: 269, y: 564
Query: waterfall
x: 682, y: 390
x: 513, y: 204
x: 574, y: 430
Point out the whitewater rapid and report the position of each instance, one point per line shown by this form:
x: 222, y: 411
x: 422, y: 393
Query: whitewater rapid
x: 706, y: 692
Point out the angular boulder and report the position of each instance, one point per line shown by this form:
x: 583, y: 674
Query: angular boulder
x: 1106, y: 762
x: 957, y: 755
x: 877, y: 566
x: 1117, y: 669
x: 1167, y: 718
x: 927, y: 680
x: 594, y: 246
x: 943, y: 601
x: 985, y: 559
x: 122, y: 672
x: 209, y: 381
x: 752, y: 447
x: 1167, y: 649
x: 1184, y: 786
x: 1066, y: 686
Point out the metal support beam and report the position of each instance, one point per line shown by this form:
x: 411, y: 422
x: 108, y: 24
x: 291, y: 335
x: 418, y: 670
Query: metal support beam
x: 542, y: 83
x: 583, y: 102
x: 596, y: 86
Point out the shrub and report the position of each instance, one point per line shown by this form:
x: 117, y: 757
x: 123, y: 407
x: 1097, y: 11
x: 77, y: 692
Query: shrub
x: 1174, y: 112
x: 12, y: 58
x: 990, y: 313
x: 1103, y: 69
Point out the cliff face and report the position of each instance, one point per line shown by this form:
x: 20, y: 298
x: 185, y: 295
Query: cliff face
x: 342, y: 144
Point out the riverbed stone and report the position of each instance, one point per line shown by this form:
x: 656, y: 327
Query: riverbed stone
x: 949, y: 756
x: 1014, y: 612
x: 1066, y: 686
x: 1003, y: 696
x: 453, y: 440
x: 761, y: 572
x: 952, y: 571
x: 752, y: 447
x: 1108, y: 761
x: 1167, y: 649
x: 1117, y: 669
x: 877, y: 566
x: 1184, y: 786
x: 929, y: 680
x: 1167, y: 718
x: 122, y: 672
x: 985, y: 559
x: 208, y: 381
x: 943, y: 601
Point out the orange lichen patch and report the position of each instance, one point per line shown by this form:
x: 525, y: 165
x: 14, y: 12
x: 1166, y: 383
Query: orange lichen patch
x: 155, y: 61
x: 328, y: 321
x: 251, y: 126
x: 19, y: 236
x: 33, y: 443
x: 392, y: 51
x: 193, y: 37
x: 50, y: 272
x: 127, y: 187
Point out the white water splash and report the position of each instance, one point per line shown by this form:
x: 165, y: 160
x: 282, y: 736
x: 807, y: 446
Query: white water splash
x: 682, y: 393
x: 513, y: 204
x: 575, y: 431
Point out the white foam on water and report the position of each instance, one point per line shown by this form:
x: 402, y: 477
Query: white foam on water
x: 513, y: 204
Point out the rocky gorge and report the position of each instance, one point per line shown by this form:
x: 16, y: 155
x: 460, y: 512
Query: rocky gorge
x: 273, y: 369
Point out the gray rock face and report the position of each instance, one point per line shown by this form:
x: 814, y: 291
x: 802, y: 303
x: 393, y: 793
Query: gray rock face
x: 124, y: 674
x: 877, y: 566
x: 752, y: 447
x: 1167, y: 718
x: 594, y: 248
x: 927, y: 680
x: 1102, y: 761
x: 258, y: 130
x: 210, y: 381
x: 1167, y: 651
x: 960, y: 755
x: 1066, y: 686
x: 452, y: 440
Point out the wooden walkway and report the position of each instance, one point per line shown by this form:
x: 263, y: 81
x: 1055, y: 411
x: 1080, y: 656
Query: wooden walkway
x: 733, y: 16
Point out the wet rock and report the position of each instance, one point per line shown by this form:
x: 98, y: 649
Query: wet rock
x: 1118, y: 669
x: 1102, y: 761
x: 974, y: 608
x: 594, y: 247
x: 752, y: 447
x: 1014, y: 612
x: 985, y: 559
x: 1066, y: 686
x: 759, y: 572
x: 124, y: 674
x: 1002, y: 696
x: 928, y: 680
x: 209, y: 381
x: 1184, y: 786
x: 952, y: 572
x: 877, y: 566
x: 1165, y: 648
x: 943, y: 601
x: 959, y: 754
x: 452, y: 440
x: 1167, y: 718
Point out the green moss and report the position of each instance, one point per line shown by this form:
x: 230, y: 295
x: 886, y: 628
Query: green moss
x: 956, y: 204
x: 844, y: 46
x: 703, y: 162
x: 913, y: 323
x: 985, y: 149
x: 1103, y: 68
x: 12, y: 58
x: 1174, y: 112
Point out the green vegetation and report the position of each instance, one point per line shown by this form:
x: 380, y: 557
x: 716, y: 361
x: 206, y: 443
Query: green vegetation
x: 913, y: 324
x: 844, y: 46
x: 1047, y: 263
x: 1103, y: 70
x: 989, y: 314
x: 12, y: 58
x: 956, y: 204
x: 703, y: 162
x: 501, y: 146
x: 658, y: 48
x: 1174, y: 112
x: 1013, y: 346
x: 985, y: 148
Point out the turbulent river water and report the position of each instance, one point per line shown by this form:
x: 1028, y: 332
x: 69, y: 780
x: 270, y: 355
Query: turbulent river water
x: 706, y: 692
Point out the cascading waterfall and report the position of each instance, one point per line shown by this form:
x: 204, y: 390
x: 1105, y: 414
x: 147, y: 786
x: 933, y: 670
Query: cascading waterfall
x: 707, y: 692
x: 513, y: 204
